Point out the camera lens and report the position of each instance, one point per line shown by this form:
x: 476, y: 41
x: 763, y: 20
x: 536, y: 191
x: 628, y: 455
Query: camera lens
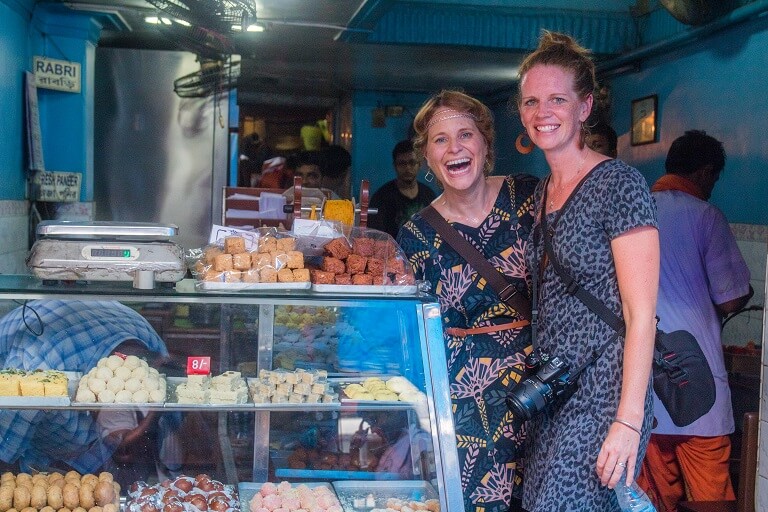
x: 528, y: 398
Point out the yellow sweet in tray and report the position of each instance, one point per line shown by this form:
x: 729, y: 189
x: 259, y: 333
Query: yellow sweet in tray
x: 32, y: 384
x: 55, y: 383
x: 9, y: 382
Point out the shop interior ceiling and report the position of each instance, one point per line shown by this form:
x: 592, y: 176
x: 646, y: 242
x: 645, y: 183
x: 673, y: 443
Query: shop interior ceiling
x: 314, y: 52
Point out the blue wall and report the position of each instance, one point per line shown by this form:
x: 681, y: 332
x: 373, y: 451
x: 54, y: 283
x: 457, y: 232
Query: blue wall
x: 718, y: 86
x: 14, y: 59
x: 372, y: 147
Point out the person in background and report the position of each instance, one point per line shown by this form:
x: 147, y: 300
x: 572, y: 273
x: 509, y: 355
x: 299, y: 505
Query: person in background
x: 602, y: 138
x: 309, y: 165
x: 73, y: 336
x: 607, y: 240
x: 703, y: 278
x: 400, y: 198
x: 486, y: 339
x: 253, y: 153
x: 337, y: 170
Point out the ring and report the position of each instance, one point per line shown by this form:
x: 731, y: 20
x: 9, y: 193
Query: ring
x: 621, y: 464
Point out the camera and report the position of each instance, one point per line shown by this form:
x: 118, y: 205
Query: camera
x: 547, y: 381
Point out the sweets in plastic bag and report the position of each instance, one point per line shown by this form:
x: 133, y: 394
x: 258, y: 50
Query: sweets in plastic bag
x: 363, y: 257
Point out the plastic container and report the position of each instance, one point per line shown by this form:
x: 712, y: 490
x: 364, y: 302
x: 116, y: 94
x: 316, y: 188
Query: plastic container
x: 632, y: 498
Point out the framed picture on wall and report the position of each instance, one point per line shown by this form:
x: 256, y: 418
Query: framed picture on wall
x: 644, y: 119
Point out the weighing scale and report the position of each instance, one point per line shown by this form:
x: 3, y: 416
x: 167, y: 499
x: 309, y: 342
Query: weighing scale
x: 107, y: 251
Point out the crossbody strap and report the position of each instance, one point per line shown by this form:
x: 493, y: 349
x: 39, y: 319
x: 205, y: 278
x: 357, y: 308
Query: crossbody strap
x: 505, y: 290
x: 571, y: 285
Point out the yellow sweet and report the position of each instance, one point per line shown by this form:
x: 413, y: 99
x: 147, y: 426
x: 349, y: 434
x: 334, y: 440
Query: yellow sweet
x: 342, y: 210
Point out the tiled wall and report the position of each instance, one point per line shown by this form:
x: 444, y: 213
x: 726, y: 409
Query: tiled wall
x: 14, y: 235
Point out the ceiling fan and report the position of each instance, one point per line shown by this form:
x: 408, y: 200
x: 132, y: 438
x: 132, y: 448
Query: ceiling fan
x: 697, y: 12
x: 213, y: 77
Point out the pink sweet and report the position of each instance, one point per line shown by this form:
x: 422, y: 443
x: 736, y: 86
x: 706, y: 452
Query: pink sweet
x: 283, y: 486
x: 268, y: 488
x: 308, y: 502
x: 326, y: 501
x: 291, y: 503
x: 260, y: 509
x: 272, y: 502
x: 335, y: 508
x: 255, y: 501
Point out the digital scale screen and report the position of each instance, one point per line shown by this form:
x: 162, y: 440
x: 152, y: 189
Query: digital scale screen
x: 110, y: 253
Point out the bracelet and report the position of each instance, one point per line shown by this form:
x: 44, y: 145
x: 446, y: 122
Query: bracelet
x: 629, y: 425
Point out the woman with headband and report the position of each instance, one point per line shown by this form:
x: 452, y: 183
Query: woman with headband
x: 486, y: 338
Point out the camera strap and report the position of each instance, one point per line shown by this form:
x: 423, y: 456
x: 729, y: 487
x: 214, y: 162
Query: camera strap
x: 571, y: 285
x: 506, y: 291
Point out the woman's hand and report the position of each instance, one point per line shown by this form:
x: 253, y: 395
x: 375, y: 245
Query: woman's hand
x: 618, y: 454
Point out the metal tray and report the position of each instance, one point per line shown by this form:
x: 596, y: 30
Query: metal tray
x: 364, y: 289
x: 96, y: 229
x: 350, y: 491
x: 45, y: 401
x: 246, y: 490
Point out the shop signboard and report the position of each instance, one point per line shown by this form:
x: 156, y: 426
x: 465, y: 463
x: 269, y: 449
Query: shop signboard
x: 61, y: 187
x: 60, y: 75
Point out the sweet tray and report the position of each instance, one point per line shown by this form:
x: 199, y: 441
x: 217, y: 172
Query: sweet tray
x: 247, y: 490
x: 44, y: 401
x: 364, y: 289
x: 359, y: 496
x: 235, y: 287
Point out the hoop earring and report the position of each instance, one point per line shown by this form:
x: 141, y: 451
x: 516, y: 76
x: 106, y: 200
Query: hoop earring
x: 429, y: 177
x: 521, y: 146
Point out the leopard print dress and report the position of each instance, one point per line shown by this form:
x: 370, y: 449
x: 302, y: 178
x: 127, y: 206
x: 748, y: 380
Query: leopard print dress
x: 564, y: 442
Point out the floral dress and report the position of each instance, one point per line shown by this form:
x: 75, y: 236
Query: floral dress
x: 481, y: 367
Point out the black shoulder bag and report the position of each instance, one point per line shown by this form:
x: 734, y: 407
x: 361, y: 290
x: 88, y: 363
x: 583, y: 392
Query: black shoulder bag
x: 682, y: 378
x: 505, y: 290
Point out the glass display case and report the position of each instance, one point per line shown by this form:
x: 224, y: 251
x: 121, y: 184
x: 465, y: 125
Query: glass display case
x: 346, y: 390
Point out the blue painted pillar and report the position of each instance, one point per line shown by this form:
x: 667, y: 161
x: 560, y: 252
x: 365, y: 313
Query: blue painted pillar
x: 66, y: 119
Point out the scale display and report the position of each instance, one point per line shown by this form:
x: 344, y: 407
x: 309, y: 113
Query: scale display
x: 110, y: 253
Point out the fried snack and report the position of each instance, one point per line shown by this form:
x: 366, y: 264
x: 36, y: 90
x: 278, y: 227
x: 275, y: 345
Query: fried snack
x: 21, y: 498
x: 71, y: 495
x: 86, y: 496
x: 285, y: 275
x: 260, y: 260
x: 55, y: 496
x: 234, y: 244
x: 286, y: 244
x: 295, y: 259
x: 363, y: 246
x: 48, y: 509
x: 7, y: 477
x: 267, y: 244
x: 343, y: 279
x: 251, y: 276
x: 356, y: 264
x: 363, y: 279
x: 6, y: 498
x: 268, y: 275
x: 38, y: 497
x: 321, y: 277
x: 107, y: 476
x: 104, y: 493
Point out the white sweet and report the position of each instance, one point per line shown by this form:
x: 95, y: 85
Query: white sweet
x: 123, y: 397
x: 115, y: 384
x: 92, y: 371
x: 102, y: 362
x: 106, y: 397
x: 141, y: 396
x: 114, y: 361
x: 97, y: 385
x: 123, y: 372
x: 83, y: 382
x: 157, y: 395
x: 132, y: 362
x: 139, y: 372
x: 104, y: 373
x: 153, y: 371
x: 151, y: 383
x: 85, y: 395
x: 133, y: 384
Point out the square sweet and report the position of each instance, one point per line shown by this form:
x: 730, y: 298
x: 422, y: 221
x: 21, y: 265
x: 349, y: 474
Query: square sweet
x: 279, y: 259
x: 395, y: 265
x: 9, y: 383
x: 378, y: 280
x: 383, y: 249
x: 268, y: 275
x: 234, y: 244
x: 31, y: 384
x: 223, y: 262
x: 267, y: 244
x: 343, y: 279
x: 198, y: 381
x: 333, y: 265
x: 55, y: 383
x: 294, y: 259
x: 338, y: 248
x: 375, y: 266
x: 261, y: 259
x: 285, y: 275
x: 286, y: 244
x: 233, y: 276
x: 241, y: 261
x: 251, y: 276
x: 356, y: 264
x: 363, y: 246
x: 301, y: 275
x: 363, y: 279
x: 213, y: 275
x: 321, y: 277
x: 210, y: 253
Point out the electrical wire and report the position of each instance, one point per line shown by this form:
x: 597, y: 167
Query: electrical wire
x: 24, y: 308
x: 756, y: 307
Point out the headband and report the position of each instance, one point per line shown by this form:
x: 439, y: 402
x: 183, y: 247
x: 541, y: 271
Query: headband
x: 450, y: 114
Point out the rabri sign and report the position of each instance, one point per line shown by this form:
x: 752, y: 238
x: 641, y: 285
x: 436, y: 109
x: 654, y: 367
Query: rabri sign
x: 60, y: 75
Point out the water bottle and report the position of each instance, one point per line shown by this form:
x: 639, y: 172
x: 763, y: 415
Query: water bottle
x: 632, y: 498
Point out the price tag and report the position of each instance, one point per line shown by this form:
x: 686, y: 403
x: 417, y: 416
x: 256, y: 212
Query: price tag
x: 197, y: 365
